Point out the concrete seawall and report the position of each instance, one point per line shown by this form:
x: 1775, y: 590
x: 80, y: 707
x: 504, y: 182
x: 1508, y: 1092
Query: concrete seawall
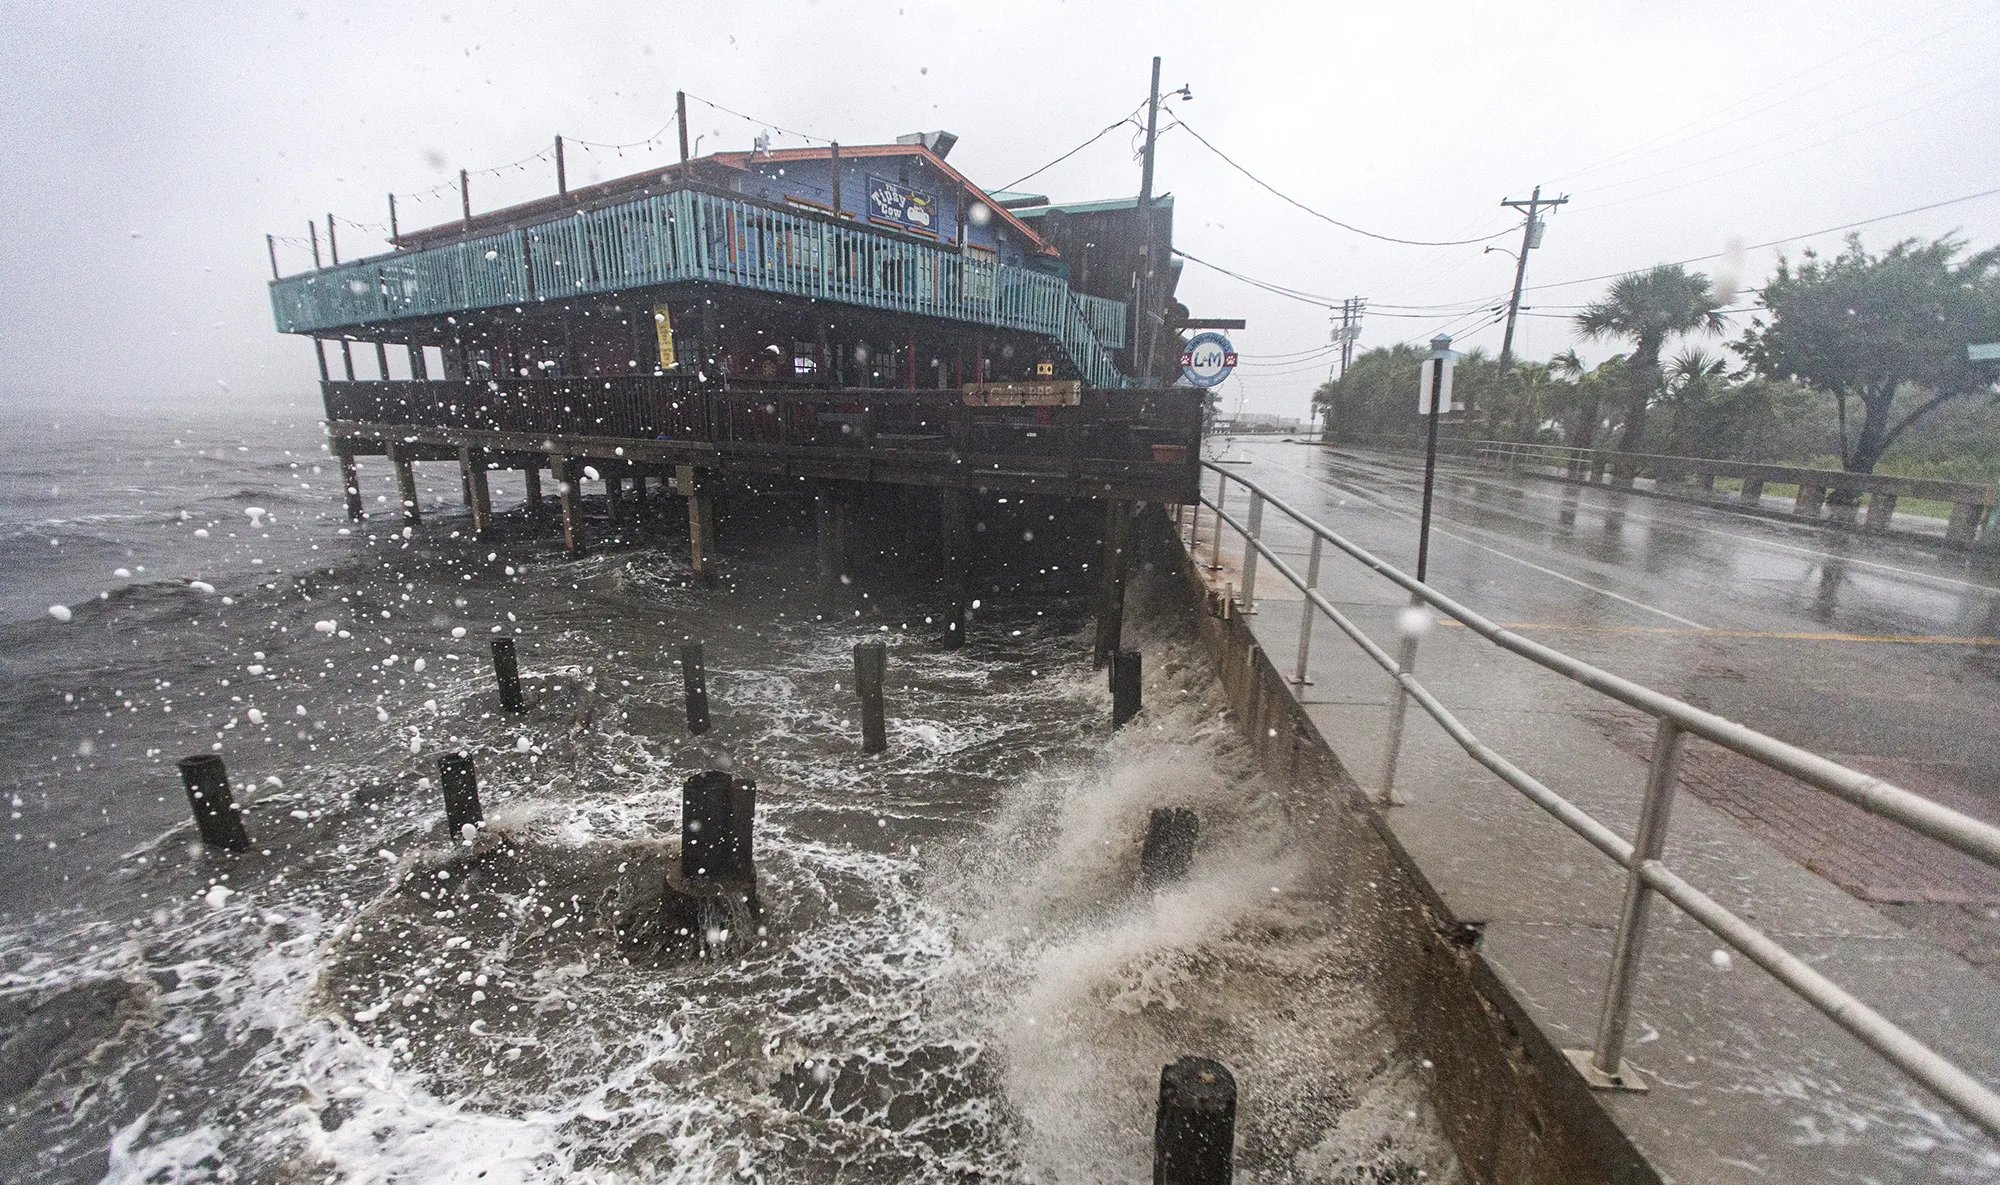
x: 1491, y: 939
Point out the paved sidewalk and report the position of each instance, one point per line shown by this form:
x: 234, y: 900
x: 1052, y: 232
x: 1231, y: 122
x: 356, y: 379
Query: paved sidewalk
x: 1748, y: 1082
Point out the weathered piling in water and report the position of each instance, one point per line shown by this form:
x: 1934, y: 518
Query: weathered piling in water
x: 461, y: 793
x: 1124, y: 687
x: 478, y: 493
x: 718, y: 815
x: 569, y: 486
x: 215, y: 813
x: 350, y: 482
x: 406, y: 483
x: 953, y: 515
x: 507, y: 672
x: 1168, y: 852
x: 1118, y: 536
x: 531, y: 481
x: 694, y: 681
x: 871, y: 667
x: 1194, y: 1131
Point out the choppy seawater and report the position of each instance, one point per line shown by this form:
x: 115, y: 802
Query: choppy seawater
x: 957, y: 979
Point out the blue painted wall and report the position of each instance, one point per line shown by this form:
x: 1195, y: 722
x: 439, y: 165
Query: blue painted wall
x: 812, y: 180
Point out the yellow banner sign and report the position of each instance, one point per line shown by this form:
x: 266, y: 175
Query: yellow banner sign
x: 663, y: 322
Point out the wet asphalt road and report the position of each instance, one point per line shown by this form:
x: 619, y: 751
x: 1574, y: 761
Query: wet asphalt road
x: 1880, y: 652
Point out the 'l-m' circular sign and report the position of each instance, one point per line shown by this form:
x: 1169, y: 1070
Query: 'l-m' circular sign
x: 1208, y: 359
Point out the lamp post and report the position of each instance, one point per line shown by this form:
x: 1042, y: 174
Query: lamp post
x: 1434, y: 388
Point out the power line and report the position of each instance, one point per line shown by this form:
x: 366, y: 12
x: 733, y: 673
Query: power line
x: 1109, y: 128
x: 1666, y: 139
x: 1313, y: 298
x: 1985, y: 193
x: 1328, y: 218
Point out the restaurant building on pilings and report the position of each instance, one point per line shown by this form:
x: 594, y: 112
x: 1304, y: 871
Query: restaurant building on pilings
x: 837, y: 315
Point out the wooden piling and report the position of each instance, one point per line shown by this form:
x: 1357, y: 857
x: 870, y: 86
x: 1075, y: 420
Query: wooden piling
x: 871, y: 666
x: 694, y: 487
x: 1168, y: 851
x: 531, y: 476
x: 479, y: 495
x: 1194, y: 1130
x: 832, y: 538
x: 406, y: 483
x: 1124, y: 687
x: 350, y: 482
x: 957, y: 564
x: 614, y: 496
x: 461, y: 794
x: 694, y: 682
x: 718, y: 812
x: 215, y: 813
x: 507, y: 672
x: 1111, y: 580
x: 569, y: 486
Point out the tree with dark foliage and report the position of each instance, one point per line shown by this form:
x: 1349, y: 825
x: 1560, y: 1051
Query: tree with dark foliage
x: 1864, y: 327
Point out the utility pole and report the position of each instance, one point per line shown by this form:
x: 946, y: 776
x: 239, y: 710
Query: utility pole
x: 1350, y: 328
x: 1531, y: 238
x: 1142, y: 297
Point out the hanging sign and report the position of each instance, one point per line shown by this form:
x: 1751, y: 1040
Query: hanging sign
x: 1058, y: 393
x: 1208, y: 359
x: 897, y: 203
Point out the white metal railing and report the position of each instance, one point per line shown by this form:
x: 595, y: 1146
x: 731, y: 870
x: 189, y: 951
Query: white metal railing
x: 1646, y: 873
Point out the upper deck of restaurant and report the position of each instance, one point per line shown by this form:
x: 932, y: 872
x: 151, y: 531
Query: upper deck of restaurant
x: 890, y: 228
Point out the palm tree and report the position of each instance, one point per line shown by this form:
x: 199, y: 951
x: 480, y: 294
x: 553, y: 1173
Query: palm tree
x: 1582, y: 422
x: 1694, y: 388
x: 1650, y: 307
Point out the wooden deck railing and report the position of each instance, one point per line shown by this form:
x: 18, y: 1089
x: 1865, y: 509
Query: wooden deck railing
x: 690, y: 235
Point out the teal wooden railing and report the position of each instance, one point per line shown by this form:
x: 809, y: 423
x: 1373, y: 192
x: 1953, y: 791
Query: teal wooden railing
x: 689, y: 235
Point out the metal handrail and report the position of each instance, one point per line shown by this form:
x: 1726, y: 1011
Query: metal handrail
x: 1647, y: 875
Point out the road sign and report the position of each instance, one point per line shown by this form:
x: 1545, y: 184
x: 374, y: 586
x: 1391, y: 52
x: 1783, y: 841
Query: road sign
x: 1208, y: 359
x: 1446, y: 402
x: 1990, y: 352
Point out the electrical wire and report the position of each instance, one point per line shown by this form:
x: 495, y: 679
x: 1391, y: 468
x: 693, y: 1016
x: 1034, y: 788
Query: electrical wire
x: 1328, y: 218
x: 1811, y: 234
x: 1667, y: 139
x: 1313, y: 298
x: 1108, y: 129
x: 1765, y: 161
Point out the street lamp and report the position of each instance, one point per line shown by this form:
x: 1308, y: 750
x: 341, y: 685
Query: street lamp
x: 1433, y: 391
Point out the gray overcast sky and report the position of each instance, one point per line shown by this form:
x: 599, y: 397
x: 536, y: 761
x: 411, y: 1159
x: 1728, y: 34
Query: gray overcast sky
x: 149, y: 147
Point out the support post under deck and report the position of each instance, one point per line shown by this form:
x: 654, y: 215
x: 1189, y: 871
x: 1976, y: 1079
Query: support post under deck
x: 532, y: 477
x: 1111, y: 580
x: 350, y: 482
x: 569, y: 484
x: 472, y: 464
x: 406, y: 483
x: 701, y: 521
x: 832, y: 553
x: 957, y: 566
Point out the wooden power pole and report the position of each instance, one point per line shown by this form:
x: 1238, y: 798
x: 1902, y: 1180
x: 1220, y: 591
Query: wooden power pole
x: 1142, y: 294
x: 1531, y: 238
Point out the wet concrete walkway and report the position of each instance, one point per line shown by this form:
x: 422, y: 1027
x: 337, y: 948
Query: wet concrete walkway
x: 1784, y: 628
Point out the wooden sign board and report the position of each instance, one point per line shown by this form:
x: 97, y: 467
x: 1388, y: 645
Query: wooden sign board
x: 1056, y: 393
